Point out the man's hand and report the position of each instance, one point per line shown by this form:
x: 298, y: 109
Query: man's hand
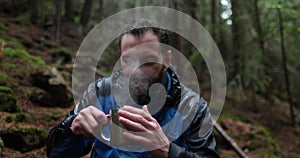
x: 88, y: 122
x: 144, y: 130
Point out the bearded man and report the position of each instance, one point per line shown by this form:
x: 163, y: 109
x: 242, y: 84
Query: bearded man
x: 180, y: 127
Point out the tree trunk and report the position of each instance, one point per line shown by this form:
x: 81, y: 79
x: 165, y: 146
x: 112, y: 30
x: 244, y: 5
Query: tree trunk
x: 100, y: 7
x: 58, y: 20
x: 69, y: 14
x: 213, y: 19
x: 203, y: 15
x: 86, y: 12
x: 242, y: 48
x: 38, y: 12
x: 194, y: 6
x: 284, y: 66
x: 178, y: 41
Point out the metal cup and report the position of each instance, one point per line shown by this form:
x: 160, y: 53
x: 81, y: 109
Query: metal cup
x: 116, y: 129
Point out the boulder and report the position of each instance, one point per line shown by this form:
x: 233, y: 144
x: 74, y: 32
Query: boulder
x: 53, y: 89
x: 24, y: 139
x: 8, y: 100
x: 42, y: 97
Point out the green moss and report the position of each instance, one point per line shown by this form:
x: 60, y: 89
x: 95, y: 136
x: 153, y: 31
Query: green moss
x: 56, y: 114
x: 263, y: 139
x: 26, y: 62
x: 10, y: 119
x: 47, y: 117
x: 15, y: 43
x: 3, y: 75
x: 20, y: 117
x: 23, y: 55
x: 31, y: 135
x: 60, y: 50
x: 7, y: 65
x: 30, y: 130
x: 8, y: 99
x: 5, y: 89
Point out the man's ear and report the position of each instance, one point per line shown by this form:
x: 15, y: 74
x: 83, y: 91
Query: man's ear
x: 168, y: 58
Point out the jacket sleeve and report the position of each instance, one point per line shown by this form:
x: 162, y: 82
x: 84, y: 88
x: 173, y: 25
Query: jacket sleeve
x: 200, y: 139
x: 62, y: 142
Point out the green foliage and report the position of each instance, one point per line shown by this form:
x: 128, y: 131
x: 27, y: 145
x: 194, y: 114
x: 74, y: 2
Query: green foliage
x: 235, y: 88
x: 3, y: 26
x: 56, y: 114
x: 26, y: 63
x: 35, y: 134
x: 268, y: 142
x: 8, y: 99
x: 3, y: 75
x: 7, y: 65
x: 9, y: 119
x: 23, y: 55
x: 7, y: 90
x: 18, y: 117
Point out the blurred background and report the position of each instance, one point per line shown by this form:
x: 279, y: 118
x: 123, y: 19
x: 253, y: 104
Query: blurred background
x: 258, y: 40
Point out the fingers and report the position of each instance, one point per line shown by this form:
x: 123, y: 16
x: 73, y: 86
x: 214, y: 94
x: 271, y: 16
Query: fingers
x: 88, y: 122
x: 99, y: 116
x: 132, y: 110
x: 78, y: 128
x: 138, y: 120
x: 132, y: 125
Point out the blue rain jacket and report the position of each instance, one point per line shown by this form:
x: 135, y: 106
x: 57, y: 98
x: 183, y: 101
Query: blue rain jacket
x: 184, y: 118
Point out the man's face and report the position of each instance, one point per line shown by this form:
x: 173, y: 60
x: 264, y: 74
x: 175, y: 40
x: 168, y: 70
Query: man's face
x: 142, y: 62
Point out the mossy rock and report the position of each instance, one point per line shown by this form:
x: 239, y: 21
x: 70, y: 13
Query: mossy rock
x: 1, y: 145
x: 8, y: 100
x: 24, y: 139
x: 18, y: 117
x: 53, y: 89
x: 22, y: 54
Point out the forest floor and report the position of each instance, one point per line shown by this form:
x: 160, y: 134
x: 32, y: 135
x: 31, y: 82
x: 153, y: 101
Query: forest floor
x: 260, y: 127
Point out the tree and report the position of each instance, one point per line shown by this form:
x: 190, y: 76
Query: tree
x: 69, y: 12
x: 86, y: 13
x: 58, y: 20
x: 284, y: 64
x: 38, y: 12
x: 240, y: 27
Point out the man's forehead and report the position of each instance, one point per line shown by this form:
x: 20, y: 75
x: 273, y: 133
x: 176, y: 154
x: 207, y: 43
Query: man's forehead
x: 129, y: 40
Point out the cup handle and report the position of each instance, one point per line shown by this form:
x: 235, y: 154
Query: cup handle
x: 102, y: 134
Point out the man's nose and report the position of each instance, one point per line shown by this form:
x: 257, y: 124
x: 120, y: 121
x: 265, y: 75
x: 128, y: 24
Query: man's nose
x: 136, y: 63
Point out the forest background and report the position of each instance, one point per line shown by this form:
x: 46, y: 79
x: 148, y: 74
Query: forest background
x: 258, y: 40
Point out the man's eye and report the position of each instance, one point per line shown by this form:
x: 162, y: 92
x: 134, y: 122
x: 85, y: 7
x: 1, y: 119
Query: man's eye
x: 149, y: 63
x: 126, y: 60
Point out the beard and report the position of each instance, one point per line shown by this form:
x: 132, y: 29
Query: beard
x: 139, y: 85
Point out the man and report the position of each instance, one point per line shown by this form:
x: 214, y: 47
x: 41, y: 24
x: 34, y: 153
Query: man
x: 181, y: 127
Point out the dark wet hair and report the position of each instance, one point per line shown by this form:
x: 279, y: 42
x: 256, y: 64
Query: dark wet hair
x: 138, y: 27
